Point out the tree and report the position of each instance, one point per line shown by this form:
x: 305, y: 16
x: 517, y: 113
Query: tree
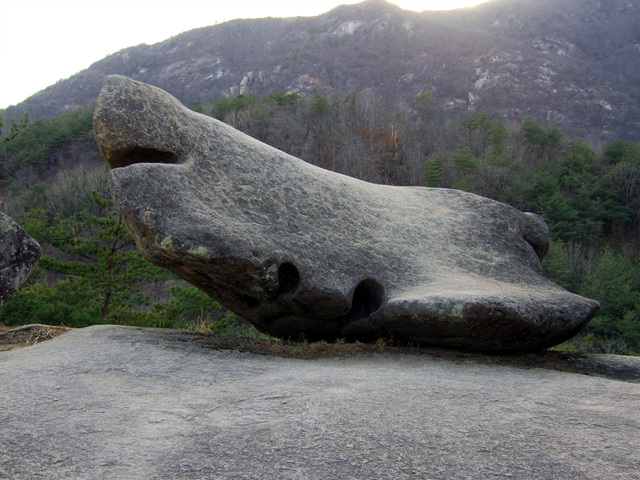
x: 582, y: 179
x: 15, y: 128
x: 557, y: 265
x: 434, y: 172
x: 320, y: 105
x: 544, y: 143
x: 466, y: 161
x: 623, y: 159
x: 95, y: 275
x: 426, y: 101
x: 615, y: 283
x: 619, y: 151
x: 484, y: 133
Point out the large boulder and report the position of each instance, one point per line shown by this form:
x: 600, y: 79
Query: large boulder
x: 298, y: 250
x: 19, y: 254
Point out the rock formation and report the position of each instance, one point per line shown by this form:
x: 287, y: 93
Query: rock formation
x: 298, y: 250
x: 90, y: 404
x: 19, y: 254
x: 122, y: 403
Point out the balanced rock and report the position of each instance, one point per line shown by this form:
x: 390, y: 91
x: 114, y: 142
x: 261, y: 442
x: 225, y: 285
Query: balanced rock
x: 302, y: 251
x: 19, y: 254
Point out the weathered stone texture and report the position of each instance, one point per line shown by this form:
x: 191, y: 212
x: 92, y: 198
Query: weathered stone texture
x: 298, y: 250
x: 19, y: 254
x: 122, y: 403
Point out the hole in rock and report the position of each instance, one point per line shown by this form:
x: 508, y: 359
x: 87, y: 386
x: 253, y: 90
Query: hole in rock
x: 367, y: 298
x: 288, y: 278
x: 541, y: 247
x: 129, y: 156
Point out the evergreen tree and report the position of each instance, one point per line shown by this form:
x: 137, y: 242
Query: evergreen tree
x: 615, y: 283
x: 433, y: 172
x: 557, y: 265
x: 95, y: 275
x: 15, y: 128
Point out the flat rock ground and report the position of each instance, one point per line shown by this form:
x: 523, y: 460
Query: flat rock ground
x: 124, y: 403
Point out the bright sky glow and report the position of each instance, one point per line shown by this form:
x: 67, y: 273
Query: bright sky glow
x: 43, y: 41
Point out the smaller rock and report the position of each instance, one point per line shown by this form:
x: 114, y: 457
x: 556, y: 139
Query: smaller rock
x: 19, y: 254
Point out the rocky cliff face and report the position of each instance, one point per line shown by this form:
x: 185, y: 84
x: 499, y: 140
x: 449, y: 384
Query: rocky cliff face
x: 575, y: 63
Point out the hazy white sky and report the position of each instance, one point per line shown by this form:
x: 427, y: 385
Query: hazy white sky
x: 43, y: 41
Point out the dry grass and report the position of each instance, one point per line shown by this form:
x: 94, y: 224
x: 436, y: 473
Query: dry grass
x: 296, y: 349
x: 27, y: 335
x: 560, y: 361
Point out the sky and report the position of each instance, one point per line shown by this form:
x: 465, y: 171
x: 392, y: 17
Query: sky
x: 43, y: 41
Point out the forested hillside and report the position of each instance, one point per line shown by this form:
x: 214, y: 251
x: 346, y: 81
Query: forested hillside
x: 54, y: 184
x: 575, y: 63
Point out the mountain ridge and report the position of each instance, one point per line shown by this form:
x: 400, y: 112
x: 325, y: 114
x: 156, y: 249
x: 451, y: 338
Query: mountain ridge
x: 573, y: 63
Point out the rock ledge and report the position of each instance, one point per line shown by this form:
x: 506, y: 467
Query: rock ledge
x: 131, y: 404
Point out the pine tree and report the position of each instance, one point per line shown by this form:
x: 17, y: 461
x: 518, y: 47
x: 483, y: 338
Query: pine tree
x: 95, y: 275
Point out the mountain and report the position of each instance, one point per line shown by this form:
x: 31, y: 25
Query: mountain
x: 574, y: 63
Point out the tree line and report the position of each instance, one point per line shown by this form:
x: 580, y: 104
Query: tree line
x: 55, y: 186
